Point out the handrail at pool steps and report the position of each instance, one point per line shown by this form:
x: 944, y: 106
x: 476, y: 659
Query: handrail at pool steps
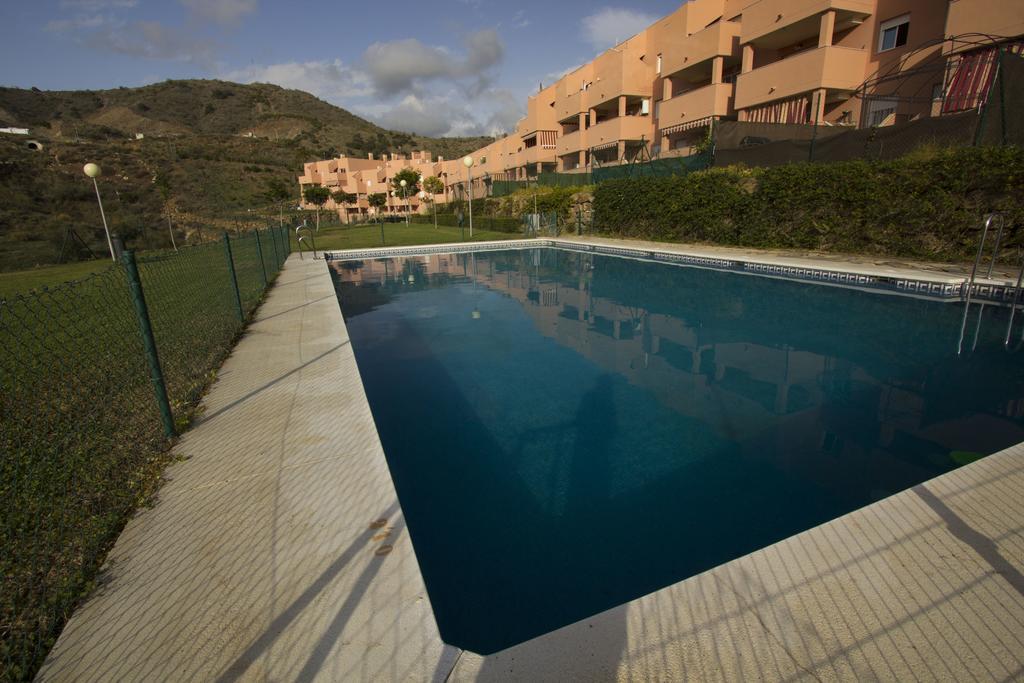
x: 968, y: 286
x: 302, y: 239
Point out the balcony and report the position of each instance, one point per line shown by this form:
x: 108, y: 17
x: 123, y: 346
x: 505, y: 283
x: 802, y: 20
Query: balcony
x: 832, y: 68
x: 776, y: 24
x: 569, y: 106
x: 618, y: 73
x: 572, y: 142
x: 619, y: 128
x: 722, y: 39
x: 711, y: 100
x: 531, y: 155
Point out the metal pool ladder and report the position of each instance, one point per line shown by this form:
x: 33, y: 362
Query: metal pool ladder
x: 302, y: 239
x: 968, y: 286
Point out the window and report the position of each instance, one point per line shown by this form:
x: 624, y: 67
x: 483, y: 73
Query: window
x: 893, y: 33
x: 879, y: 110
x: 659, y: 64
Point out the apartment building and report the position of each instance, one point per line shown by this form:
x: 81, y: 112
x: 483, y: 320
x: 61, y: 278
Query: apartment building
x: 818, y: 62
x: 363, y: 177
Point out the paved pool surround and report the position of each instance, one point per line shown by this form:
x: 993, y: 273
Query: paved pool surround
x: 277, y: 550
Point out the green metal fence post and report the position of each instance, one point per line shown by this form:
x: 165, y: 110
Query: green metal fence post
x: 1002, y: 94
x: 273, y: 243
x: 234, y: 279
x: 259, y: 255
x: 156, y: 374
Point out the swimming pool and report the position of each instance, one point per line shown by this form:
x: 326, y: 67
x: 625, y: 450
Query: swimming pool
x: 569, y: 431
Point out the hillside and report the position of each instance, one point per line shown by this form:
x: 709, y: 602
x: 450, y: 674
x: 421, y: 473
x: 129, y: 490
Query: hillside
x: 212, y: 154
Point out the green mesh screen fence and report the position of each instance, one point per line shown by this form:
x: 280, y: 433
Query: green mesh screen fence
x: 81, y: 434
x: 1001, y: 121
x: 487, y: 222
x: 502, y: 188
x: 564, y: 179
x: 656, y: 167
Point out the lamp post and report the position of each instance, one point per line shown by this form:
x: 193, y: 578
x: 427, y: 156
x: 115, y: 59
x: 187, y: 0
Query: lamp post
x: 405, y: 200
x: 93, y: 171
x: 468, y: 161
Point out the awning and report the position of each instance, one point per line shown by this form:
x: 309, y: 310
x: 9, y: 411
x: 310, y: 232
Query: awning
x: 604, y: 145
x: 689, y: 125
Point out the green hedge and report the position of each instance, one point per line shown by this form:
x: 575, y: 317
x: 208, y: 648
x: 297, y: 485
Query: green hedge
x: 925, y: 205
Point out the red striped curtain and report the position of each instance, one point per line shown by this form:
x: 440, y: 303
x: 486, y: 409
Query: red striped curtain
x: 795, y: 110
x: 969, y: 86
x: 546, y: 138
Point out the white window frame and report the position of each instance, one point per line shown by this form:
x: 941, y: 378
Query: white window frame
x: 893, y: 23
x: 659, y: 63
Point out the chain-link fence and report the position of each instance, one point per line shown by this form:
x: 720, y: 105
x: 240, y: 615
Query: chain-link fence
x: 481, y: 221
x: 95, y: 375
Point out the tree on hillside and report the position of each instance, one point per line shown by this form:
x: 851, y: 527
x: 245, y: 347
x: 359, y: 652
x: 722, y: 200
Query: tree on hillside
x: 318, y: 196
x: 278, y: 192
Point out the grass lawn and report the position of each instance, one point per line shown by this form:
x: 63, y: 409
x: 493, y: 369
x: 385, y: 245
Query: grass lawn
x: 334, y: 237
x: 399, y: 235
x: 47, y: 276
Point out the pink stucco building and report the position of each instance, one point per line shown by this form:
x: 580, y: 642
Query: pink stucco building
x: 823, y: 62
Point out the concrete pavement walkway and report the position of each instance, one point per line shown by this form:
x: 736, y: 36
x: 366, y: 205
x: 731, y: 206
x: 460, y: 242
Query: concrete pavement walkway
x: 276, y: 549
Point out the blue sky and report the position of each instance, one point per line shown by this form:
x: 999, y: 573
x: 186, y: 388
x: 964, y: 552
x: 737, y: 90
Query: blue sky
x: 454, y: 67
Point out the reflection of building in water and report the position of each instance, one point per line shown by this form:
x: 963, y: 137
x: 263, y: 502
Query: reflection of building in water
x: 825, y: 417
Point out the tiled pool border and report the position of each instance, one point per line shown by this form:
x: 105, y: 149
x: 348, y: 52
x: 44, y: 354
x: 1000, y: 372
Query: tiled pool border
x: 938, y: 287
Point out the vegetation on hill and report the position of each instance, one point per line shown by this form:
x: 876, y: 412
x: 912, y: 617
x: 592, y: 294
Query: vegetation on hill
x: 213, y: 155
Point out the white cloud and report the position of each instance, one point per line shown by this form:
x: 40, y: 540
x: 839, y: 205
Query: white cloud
x: 97, y: 5
x: 612, y: 25
x: 494, y: 112
x: 396, y: 67
x: 151, y: 40
x: 221, y: 11
x: 519, y: 19
x: 329, y: 80
x: 82, y: 23
x: 556, y: 75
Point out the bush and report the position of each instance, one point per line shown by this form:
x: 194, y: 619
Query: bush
x: 925, y: 205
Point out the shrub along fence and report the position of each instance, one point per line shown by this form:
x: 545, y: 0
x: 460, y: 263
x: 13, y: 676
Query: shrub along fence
x: 95, y: 376
x: 925, y: 205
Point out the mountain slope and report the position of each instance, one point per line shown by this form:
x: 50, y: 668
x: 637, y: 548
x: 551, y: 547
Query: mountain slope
x: 212, y: 154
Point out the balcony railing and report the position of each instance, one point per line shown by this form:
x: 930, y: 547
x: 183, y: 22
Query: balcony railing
x: 711, y: 100
x: 570, y: 105
x: 721, y: 39
x: 762, y: 19
x: 532, y: 155
x: 620, y: 128
x: 568, y: 143
x: 832, y: 68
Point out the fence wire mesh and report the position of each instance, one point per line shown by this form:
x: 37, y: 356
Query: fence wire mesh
x: 81, y: 437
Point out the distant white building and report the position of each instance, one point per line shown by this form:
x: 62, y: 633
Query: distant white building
x: 14, y: 131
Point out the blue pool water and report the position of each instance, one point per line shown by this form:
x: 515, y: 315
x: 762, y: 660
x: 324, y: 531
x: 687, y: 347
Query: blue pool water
x: 570, y: 431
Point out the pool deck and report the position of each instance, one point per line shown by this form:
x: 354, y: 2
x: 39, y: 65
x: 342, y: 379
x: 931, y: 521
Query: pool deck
x: 277, y: 550
x: 879, y: 266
